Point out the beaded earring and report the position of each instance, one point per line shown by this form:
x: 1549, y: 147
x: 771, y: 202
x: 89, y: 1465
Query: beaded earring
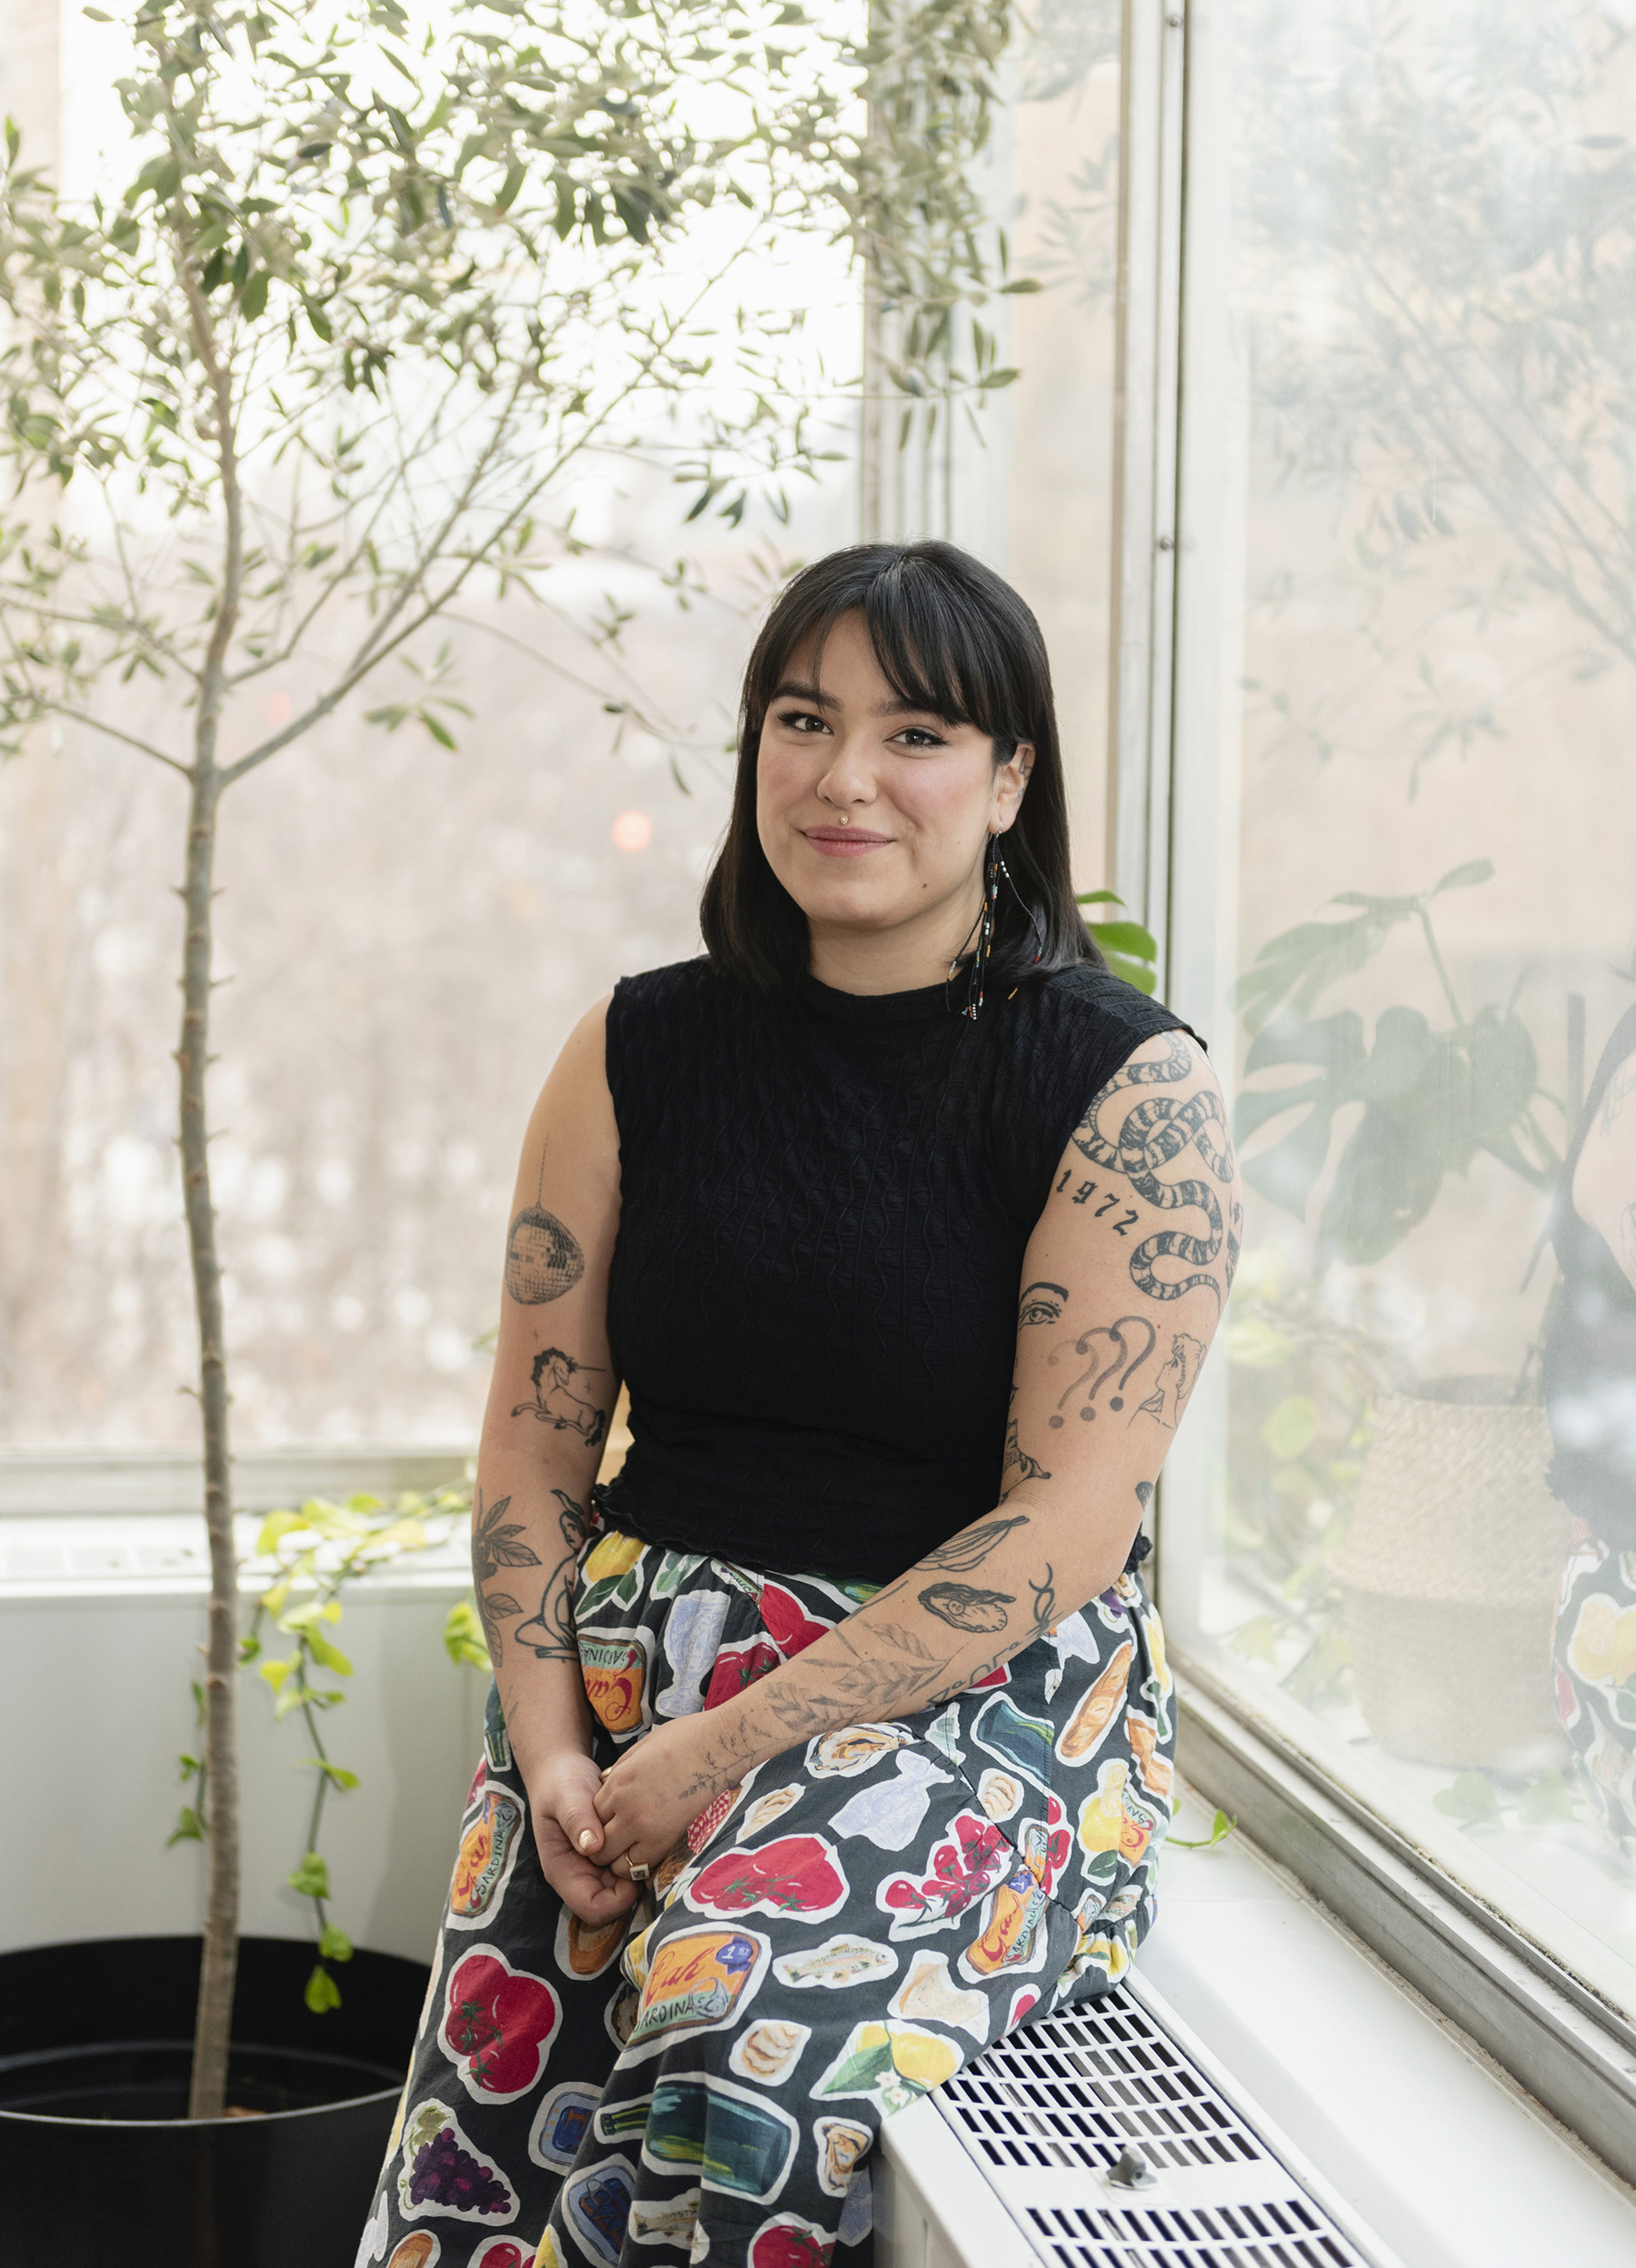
x: 978, y: 972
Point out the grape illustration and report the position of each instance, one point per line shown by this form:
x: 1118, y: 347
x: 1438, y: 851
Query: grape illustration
x: 443, y: 2173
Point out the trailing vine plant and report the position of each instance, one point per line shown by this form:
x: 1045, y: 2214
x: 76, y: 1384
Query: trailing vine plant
x: 316, y: 1552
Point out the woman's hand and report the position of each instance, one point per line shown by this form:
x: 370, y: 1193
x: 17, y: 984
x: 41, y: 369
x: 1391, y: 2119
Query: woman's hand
x: 569, y: 1837
x: 651, y: 1797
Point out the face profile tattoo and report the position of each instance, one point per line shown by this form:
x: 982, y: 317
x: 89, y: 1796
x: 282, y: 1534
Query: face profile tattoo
x: 1042, y: 1303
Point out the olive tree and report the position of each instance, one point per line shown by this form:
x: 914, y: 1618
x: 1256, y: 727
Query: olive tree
x: 378, y: 288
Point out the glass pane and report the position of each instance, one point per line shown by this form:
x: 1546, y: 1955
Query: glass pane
x: 1405, y: 1524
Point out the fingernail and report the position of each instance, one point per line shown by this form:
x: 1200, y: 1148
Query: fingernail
x: 587, y: 1839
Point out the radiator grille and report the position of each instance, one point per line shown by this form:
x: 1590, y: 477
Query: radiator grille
x: 1075, y: 2089
x: 1286, y: 2234
x: 1049, y: 2109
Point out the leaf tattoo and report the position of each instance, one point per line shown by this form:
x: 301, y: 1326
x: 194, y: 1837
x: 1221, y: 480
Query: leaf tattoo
x: 494, y: 1547
x: 961, y: 1553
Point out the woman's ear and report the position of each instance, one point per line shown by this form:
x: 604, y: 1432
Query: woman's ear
x: 1010, y: 784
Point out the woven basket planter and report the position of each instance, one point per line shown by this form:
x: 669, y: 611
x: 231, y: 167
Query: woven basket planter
x: 1449, y: 1577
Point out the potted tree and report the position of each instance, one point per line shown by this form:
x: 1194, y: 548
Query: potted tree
x: 1449, y: 1564
x: 371, y: 297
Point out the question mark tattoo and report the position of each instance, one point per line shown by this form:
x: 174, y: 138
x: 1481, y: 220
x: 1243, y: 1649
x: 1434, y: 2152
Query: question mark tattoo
x: 1120, y: 1358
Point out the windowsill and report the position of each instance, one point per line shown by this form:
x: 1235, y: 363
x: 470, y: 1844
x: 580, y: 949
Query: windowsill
x: 1434, y: 2148
x: 1556, y: 1884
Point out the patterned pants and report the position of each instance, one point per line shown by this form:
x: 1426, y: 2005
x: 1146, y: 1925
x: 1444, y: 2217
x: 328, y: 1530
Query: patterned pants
x: 1594, y: 1651
x: 704, y: 2079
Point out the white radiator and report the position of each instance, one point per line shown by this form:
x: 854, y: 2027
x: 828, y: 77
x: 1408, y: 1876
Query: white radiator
x: 1103, y: 2137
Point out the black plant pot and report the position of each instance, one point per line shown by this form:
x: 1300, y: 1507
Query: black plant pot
x: 98, y: 2162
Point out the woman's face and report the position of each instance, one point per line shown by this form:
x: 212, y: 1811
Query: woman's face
x: 873, y: 816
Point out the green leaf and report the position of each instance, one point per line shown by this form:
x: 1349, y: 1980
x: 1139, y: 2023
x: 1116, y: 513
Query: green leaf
x: 1547, y: 1801
x: 253, y: 299
x: 1466, y: 877
x: 1138, y: 975
x: 1317, y: 1672
x: 1254, y: 1345
x: 1299, y: 965
x: 189, y: 1827
x: 462, y: 1637
x: 322, y: 1992
x: 860, y: 2071
x: 516, y: 173
x: 275, y: 1529
x: 310, y: 1878
x: 1221, y: 1828
x: 275, y: 1672
x: 1256, y: 1639
x: 1469, y: 1798
x: 337, y: 1775
x: 334, y: 1945
x: 1292, y: 1429
x: 1125, y: 937
x: 328, y: 1656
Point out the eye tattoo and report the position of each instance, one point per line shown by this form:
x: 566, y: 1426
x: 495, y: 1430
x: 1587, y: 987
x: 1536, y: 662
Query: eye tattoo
x: 1042, y: 1303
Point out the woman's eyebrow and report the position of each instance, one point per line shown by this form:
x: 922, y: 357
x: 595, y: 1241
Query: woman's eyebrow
x: 790, y: 690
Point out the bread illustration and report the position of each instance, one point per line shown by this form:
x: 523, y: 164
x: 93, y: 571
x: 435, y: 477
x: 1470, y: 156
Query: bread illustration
x: 1095, y: 1713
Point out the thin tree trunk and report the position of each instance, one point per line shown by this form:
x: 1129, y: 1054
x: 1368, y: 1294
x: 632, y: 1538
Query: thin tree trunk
x: 219, y: 1968
x: 214, y: 2015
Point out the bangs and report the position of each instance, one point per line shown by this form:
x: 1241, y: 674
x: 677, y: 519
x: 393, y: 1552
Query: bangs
x: 934, y: 643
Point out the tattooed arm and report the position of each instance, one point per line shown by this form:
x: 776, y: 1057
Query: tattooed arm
x: 1124, y: 1284
x: 550, y: 1400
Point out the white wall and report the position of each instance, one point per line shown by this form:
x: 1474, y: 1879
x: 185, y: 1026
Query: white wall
x: 100, y: 1617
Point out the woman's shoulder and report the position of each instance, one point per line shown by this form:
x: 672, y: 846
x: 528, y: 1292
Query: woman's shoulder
x: 1091, y: 1001
x: 678, y: 984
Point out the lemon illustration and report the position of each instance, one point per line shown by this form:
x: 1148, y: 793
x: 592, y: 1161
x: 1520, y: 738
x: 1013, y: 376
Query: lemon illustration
x: 612, y: 1556
x: 923, y: 2057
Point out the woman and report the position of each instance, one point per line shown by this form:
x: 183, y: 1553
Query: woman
x: 833, y: 1737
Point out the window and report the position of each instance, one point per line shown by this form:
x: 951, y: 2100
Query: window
x: 1402, y: 904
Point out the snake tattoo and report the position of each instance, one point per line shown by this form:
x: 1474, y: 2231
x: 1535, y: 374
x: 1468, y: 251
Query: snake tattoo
x: 1155, y: 1132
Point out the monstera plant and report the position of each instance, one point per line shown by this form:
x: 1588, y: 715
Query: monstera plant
x: 1435, y: 1095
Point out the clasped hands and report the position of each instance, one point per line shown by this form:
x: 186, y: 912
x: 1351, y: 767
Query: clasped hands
x: 591, y: 1827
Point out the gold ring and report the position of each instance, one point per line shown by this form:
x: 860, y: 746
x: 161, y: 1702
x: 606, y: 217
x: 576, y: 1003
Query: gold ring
x: 639, y: 1872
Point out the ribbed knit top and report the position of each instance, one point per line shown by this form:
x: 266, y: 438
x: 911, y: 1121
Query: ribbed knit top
x: 825, y: 1202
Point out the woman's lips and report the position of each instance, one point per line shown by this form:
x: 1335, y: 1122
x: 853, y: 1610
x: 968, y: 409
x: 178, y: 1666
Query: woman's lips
x: 843, y: 842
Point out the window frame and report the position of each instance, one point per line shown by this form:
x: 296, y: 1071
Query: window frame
x: 1551, y: 2029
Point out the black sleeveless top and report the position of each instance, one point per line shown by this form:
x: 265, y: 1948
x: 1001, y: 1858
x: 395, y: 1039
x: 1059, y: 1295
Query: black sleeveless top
x: 1590, y: 1364
x: 825, y: 1201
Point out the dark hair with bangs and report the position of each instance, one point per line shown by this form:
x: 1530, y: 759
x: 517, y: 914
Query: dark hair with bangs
x: 952, y: 638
